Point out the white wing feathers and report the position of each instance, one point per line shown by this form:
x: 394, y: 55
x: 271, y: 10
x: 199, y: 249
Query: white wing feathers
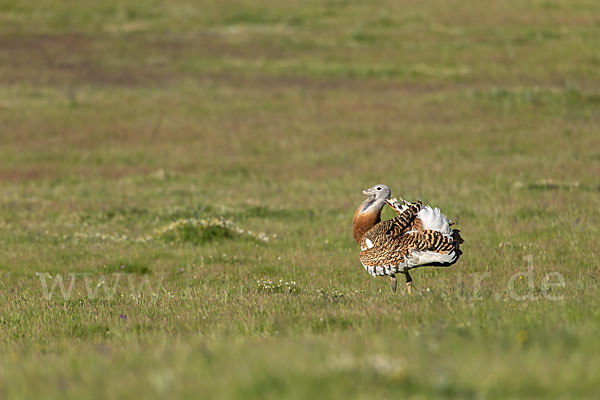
x: 433, y: 219
x: 416, y: 258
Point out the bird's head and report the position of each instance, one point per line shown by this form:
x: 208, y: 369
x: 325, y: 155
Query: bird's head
x: 376, y: 197
x: 378, y: 192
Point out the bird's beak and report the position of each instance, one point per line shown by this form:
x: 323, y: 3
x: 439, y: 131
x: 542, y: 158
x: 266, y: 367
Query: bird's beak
x: 368, y: 192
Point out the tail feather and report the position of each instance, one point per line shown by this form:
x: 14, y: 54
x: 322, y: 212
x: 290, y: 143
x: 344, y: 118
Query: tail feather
x: 433, y: 219
x: 457, y: 240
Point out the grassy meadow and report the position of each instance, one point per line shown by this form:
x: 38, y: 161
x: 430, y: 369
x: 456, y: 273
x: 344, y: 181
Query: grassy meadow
x: 188, y: 171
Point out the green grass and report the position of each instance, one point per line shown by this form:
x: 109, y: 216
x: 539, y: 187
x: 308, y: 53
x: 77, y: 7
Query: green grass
x: 190, y: 173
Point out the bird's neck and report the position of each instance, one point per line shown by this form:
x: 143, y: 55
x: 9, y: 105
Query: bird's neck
x: 366, y: 216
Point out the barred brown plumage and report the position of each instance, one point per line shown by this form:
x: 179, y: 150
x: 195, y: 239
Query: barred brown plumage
x: 418, y: 236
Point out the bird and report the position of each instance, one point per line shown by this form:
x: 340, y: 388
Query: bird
x: 419, y: 236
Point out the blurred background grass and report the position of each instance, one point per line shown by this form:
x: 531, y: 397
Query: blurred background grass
x: 123, y: 126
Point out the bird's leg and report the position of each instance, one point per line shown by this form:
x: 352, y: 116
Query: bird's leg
x: 394, y: 282
x: 408, y: 283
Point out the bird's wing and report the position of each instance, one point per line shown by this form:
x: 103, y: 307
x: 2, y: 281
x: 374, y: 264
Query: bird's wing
x: 387, y: 249
x: 407, y: 217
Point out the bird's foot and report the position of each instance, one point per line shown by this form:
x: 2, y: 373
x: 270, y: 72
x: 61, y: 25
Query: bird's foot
x: 394, y: 283
x: 408, y: 287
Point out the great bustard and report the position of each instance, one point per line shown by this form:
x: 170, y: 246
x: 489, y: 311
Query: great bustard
x: 419, y: 236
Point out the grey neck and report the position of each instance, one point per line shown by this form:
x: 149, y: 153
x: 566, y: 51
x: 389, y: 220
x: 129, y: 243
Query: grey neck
x: 371, y: 205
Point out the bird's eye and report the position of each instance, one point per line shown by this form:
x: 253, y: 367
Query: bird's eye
x: 378, y: 188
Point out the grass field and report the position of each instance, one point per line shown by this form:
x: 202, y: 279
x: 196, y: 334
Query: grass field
x: 192, y: 170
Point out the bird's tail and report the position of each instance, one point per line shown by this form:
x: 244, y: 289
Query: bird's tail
x: 457, y: 240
